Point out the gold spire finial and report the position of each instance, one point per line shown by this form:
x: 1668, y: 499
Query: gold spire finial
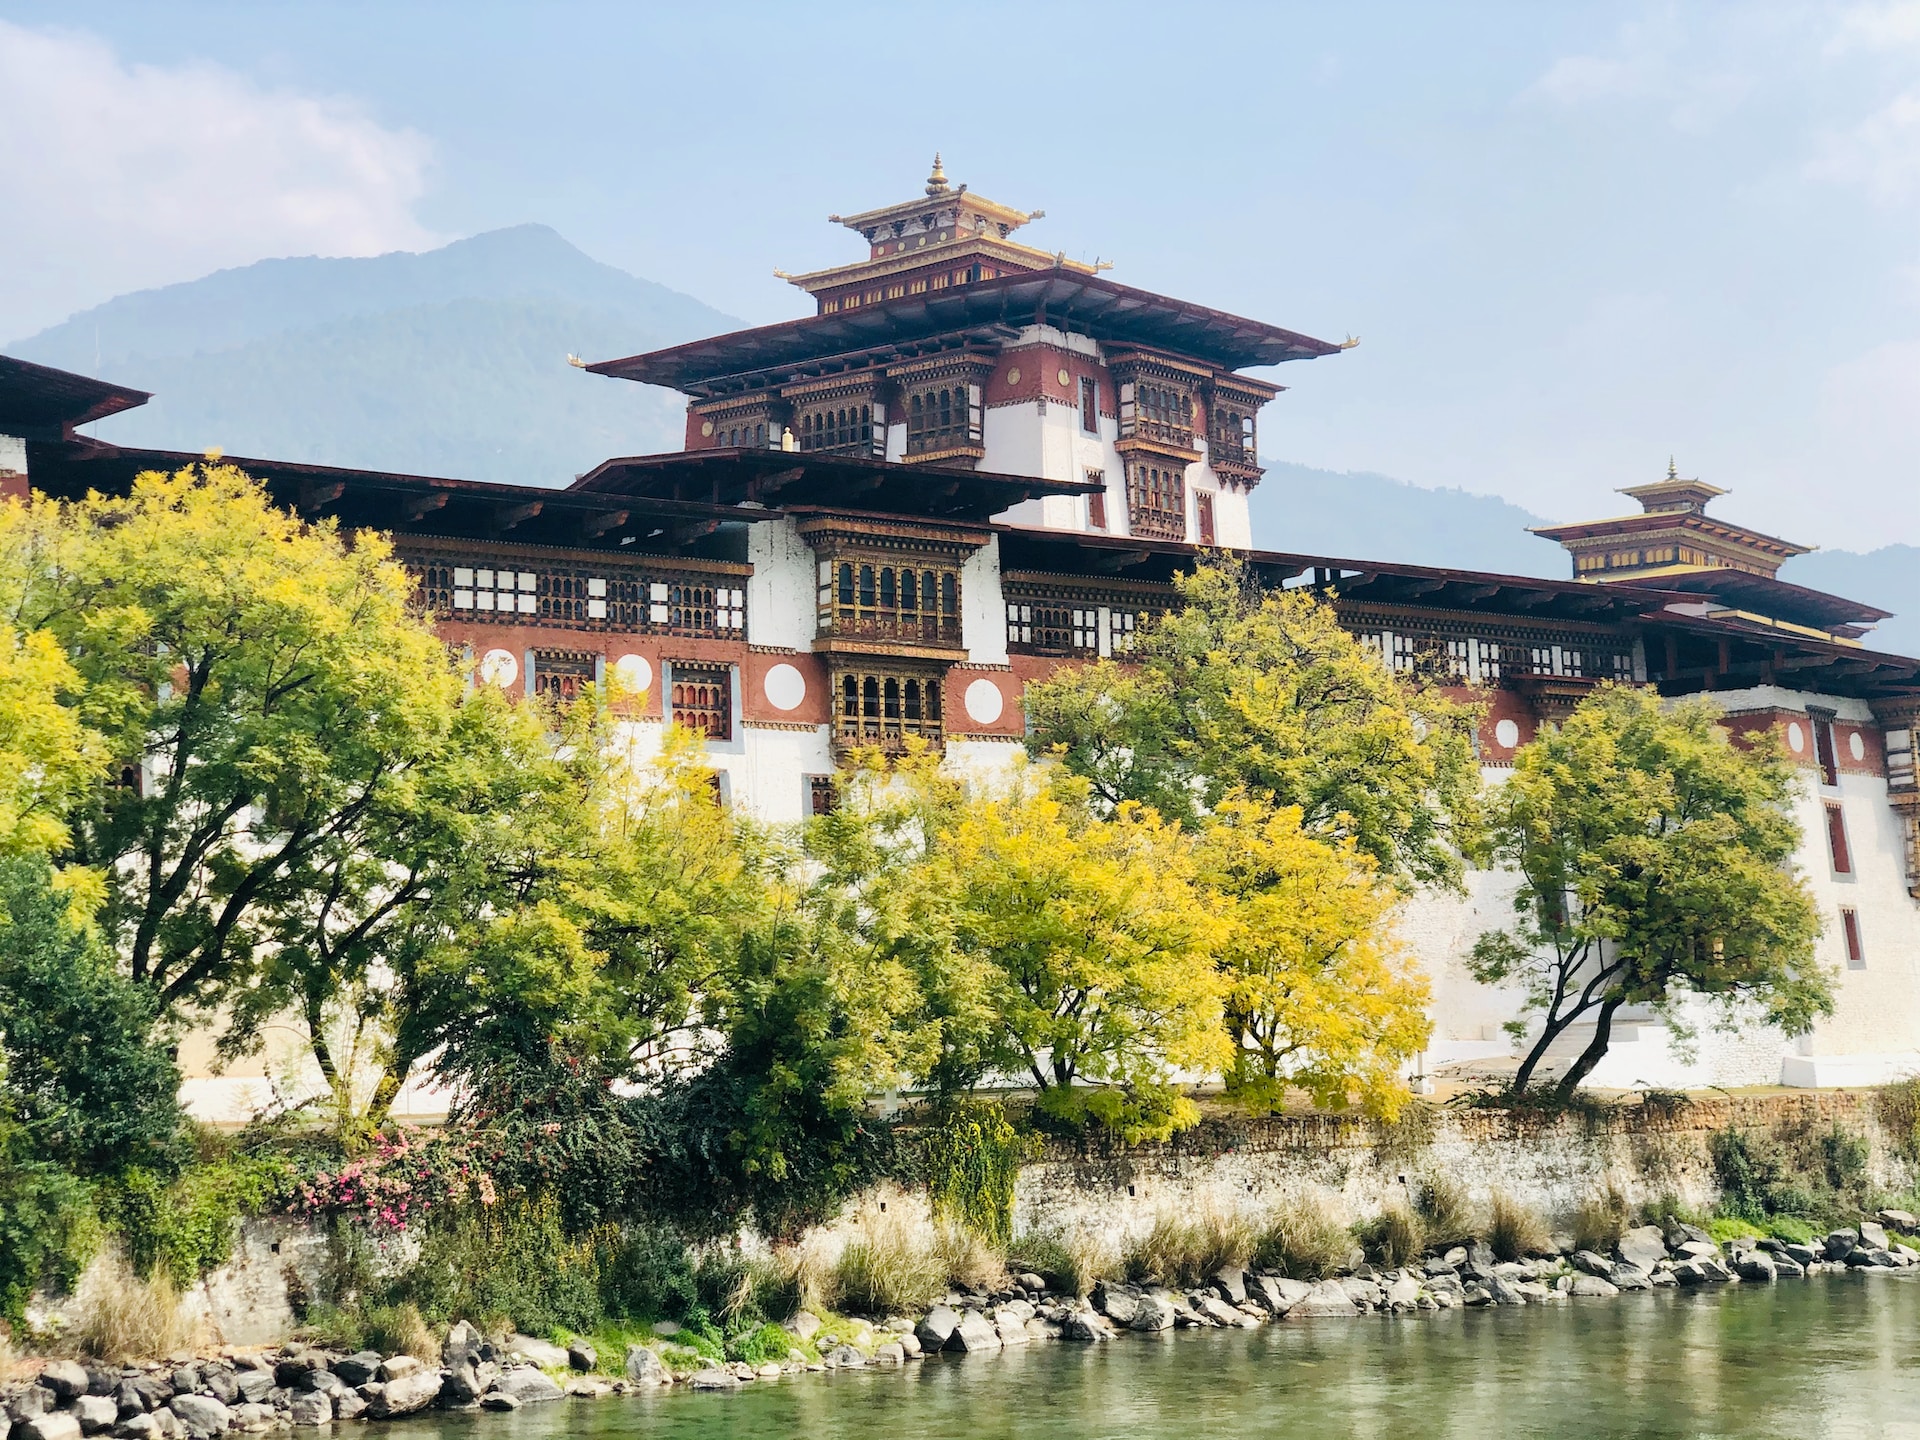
x: 937, y: 181
x: 1673, y: 471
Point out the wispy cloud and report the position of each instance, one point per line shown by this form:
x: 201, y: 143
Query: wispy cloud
x: 1877, y: 27
x: 118, y: 175
x: 1881, y: 153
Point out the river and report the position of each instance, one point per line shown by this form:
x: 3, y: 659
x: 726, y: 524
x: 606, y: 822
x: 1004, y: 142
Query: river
x: 1833, y: 1356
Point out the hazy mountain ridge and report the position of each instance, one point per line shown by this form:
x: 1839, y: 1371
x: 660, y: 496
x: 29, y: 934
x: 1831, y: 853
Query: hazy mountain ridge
x: 453, y: 362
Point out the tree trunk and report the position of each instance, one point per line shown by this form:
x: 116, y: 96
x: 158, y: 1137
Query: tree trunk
x: 1524, y: 1075
x: 1596, y: 1047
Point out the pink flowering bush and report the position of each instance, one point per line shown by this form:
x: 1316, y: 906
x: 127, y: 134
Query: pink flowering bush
x: 407, y: 1175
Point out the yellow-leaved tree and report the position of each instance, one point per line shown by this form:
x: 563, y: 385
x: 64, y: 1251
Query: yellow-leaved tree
x: 1097, y: 940
x: 1321, y: 996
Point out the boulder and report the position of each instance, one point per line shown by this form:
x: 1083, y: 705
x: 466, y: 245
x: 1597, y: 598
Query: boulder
x: 1592, y: 1264
x: 1864, y: 1259
x: 1216, y: 1311
x: 95, y: 1413
x: 1642, y: 1248
x: 166, y: 1424
x: 254, y: 1385
x: 1230, y: 1284
x: 1403, y: 1294
x: 201, y: 1416
x: 585, y: 1388
x: 1475, y: 1295
x: 910, y: 1343
x: 714, y: 1379
x: 582, y: 1355
x: 1326, y: 1298
x: 310, y: 1407
x: 500, y: 1400
x: 1873, y: 1236
x: 527, y: 1384
x: 973, y: 1333
x: 463, y: 1385
x: 398, y: 1367
x: 54, y: 1425
x: 844, y: 1357
x: 936, y: 1329
x: 65, y: 1379
x: 1787, y: 1268
x: 1361, y: 1292
x: 1629, y: 1277
x: 414, y: 1390
x: 644, y: 1367
x: 219, y: 1382
x: 1688, y: 1272
x: 543, y: 1353
x: 1505, y: 1291
x: 138, y: 1426
x: 1479, y: 1261
x: 1756, y: 1265
x: 1841, y: 1243
x: 462, y: 1344
x: 1592, y: 1287
x: 1152, y: 1314
x: 1805, y: 1254
x: 1119, y: 1306
x: 1905, y: 1221
x: 33, y: 1400
x: 804, y: 1326
x: 891, y: 1353
x: 1085, y: 1326
x: 1697, y: 1250
x: 186, y: 1379
x: 350, y: 1406
x: 1660, y: 1277
x: 364, y: 1365
x: 1679, y: 1233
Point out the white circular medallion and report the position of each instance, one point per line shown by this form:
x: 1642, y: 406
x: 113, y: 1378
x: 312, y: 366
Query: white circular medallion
x: 706, y: 427
x: 1013, y: 376
x: 1064, y: 376
x: 1856, y: 747
x: 984, y: 702
x: 498, y: 667
x: 1796, y: 737
x: 633, y: 672
x: 1507, y: 734
x: 786, y: 687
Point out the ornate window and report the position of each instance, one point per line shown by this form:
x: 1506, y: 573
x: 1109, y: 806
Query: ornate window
x: 561, y: 674
x: 879, y: 707
x: 1057, y: 627
x: 848, y: 427
x: 1231, y: 436
x: 945, y: 417
x: 702, y: 699
x: 1089, y: 405
x: 576, y: 596
x: 890, y: 600
x: 1157, y: 500
x: 1203, y: 511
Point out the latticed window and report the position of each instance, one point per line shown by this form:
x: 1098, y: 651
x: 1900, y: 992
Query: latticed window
x: 1554, y: 660
x: 702, y: 699
x: 562, y: 674
x: 875, y: 708
x: 891, y: 601
x: 1157, y: 501
x: 577, y: 597
x: 487, y: 590
x: 1064, y: 628
x: 840, y: 426
x: 941, y: 419
x: 1164, y: 412
x: 1232, y: 436
x: 1473, y: 662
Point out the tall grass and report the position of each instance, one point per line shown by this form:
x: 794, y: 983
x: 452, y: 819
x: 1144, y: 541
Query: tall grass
x: 1513, y: 1230
x: 1444, y: 1210
x: 119, y: 1317
x: 887, y: 1269
x: 1070, y: 1261
x: 970, y: 1260
x: 1302, y: 1239
x: 1187, y: 1247
x: 1395, y: 1237
x: 1601, y: 1219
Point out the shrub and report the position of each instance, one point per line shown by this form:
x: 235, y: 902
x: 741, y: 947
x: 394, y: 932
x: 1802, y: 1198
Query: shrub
x: 1302, y: 1240
x: 120, y: 1317
x: 888, y: 1270
x: 1444, y: 1210
x: 1184, y: 1248
x: 972, y: 1158
x: 1601, y: 1219
x: 1726, y: 1227
x: 1666, y: 1211
x: 767, y: 1345
x: 510, y: 1260
x: 1748, y: 1170
x: 187, y: 1228
x: 970, y: 1260
x: 399, y: 1330
x: 47, y: 1229
x: 1844, y: 1158
x: 1393, y: 1237
x: 647, y: 1274
x: 1792, y: 1229
x: 1070, y: 1261
x: 1513, y: 1230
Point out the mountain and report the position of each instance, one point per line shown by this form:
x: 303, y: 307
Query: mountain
x: 1888, y: 577
x: 449, y: 362
x: 1360, y: 516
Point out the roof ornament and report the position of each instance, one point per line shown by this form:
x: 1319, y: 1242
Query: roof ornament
x: 1673, y: 471
x: 937, y: 181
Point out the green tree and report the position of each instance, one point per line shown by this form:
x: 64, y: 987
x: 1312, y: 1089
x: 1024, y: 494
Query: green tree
x: 1263, y: 693
x: 49, y: 756
x: 1655, y: 861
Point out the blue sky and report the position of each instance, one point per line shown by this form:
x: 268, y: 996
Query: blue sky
x: 1574, y: 238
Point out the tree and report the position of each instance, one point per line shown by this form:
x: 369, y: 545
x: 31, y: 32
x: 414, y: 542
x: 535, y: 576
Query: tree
x: 1654, y: 857
x: 1263, y: 693
x: 1322, y: 997
x: 49, y: 756
x: 1096, y: 940
x: 266, y: 688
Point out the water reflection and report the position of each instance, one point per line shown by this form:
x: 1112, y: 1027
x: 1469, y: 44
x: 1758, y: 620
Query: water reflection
x: 1831, y: 1357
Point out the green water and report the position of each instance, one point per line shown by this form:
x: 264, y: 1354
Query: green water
x: 1832, y: 1356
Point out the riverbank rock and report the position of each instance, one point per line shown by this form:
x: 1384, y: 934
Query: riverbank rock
x: 1505, y: 1291
x: 890, y: 1354
x: 200, y: 1415
x: 644, y: 1367
x: 1116, y: 1302
x: 543, y: 1353
x: 1592, y: 1287
x: 399, y: 1367
x: 582, y: 1356
x: 844, y: 1357
x: 529, y: 1385
x: 95, y: 1413
x: 1329, y: 1297
x: 413, y: 1390
x: 54, y: 1425
x: 714, y: 1379
x: 310, y: 1407
x: 1756, y: 1265
x: 973, y: 1333
x: 500, y: 1400
x: 1872, y: 1235
x: 1905, y: 1221
x: 1086, y: 1326
x: 1629, y: 1277
x: 64, y: 1378
x: 936, y: 1329
x: 1230, y: 1284
x: 804, y: 1326
x: 1642, y: 1248
x: 1841, y: 1243
x: 1152, y: 1314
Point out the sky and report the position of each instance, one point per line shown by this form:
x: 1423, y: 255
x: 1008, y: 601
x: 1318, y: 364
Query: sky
x: 1574, y: 239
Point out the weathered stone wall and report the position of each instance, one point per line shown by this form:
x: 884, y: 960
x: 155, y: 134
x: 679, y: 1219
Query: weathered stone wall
x: 1550, y: 1164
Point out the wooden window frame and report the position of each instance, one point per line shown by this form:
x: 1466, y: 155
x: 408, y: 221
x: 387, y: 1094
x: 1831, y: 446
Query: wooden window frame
x: 1839, y: 852
x: 1850, y: 934
x: 1089, y: 405
x: 700, y: 698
